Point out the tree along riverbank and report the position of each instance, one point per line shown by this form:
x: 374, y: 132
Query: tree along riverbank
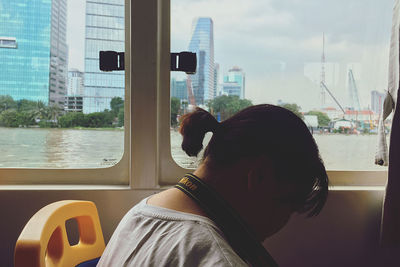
x: 27, y: 113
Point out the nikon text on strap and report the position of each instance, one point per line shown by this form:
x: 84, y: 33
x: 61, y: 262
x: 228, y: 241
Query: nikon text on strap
x: 234, y: 228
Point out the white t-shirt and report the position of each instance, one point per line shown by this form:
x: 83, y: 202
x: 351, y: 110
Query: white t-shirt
x: 155, y: 236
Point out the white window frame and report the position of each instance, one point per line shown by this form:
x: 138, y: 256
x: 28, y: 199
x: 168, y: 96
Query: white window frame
x: 117, y: 175
x: 147, y: 162
x: 170, y: 172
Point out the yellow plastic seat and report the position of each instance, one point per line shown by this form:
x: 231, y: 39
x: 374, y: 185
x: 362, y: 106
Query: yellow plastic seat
x: 44, y: 241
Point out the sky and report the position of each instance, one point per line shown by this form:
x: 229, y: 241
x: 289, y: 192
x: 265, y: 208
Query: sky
x: 76, y: 33
x: 278, y: 44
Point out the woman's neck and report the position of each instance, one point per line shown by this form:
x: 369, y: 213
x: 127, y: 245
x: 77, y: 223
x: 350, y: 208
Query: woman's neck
x: 175, y: 199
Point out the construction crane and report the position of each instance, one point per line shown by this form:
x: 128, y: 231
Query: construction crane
x: 323, y: 60
x: 353, y: 92
x: 330, y: 93
x: 191, y: 98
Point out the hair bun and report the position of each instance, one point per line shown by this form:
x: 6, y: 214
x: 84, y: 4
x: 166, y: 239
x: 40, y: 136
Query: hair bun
x: 193, y: 128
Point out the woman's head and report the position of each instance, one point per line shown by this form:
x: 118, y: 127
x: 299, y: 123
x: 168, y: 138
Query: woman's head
x: 263, y: 131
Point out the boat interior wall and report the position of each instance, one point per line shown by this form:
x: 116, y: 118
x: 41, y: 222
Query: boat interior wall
x: 346, y: 233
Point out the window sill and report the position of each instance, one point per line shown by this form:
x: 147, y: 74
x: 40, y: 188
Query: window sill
x: 357, y: 178
x: 56, y: 187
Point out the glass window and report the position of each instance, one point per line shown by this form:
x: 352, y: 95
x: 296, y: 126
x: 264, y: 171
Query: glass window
x: 57, y: 109
x: 8, y: 42
x: 326, y: 61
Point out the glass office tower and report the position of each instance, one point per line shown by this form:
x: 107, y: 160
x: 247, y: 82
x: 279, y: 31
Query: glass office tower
x: 104, y: 31
x: 236, y: 75
x: 231, y: 88
x: 202, y: 43
x: 33, y: 51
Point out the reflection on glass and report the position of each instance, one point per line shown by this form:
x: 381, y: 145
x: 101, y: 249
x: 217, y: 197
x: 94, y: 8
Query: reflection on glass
x: 50, y: 79
x: 327, y: 62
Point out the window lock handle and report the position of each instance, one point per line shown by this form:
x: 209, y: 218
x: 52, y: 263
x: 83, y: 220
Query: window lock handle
x: 183, y: 61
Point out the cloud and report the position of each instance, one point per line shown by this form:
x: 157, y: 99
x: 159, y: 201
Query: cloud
x: 348, y: 20
x: 231, y: 18
x: 273, y: 40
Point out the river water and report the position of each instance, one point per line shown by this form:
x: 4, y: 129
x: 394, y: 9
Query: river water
x: 72, y: 148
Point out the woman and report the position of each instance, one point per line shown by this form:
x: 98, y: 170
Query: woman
x: 260, y: 166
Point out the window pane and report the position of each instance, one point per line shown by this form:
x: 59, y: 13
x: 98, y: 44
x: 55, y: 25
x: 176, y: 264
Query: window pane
x: 6, y: 42
x: 327, y: 61
x: 57, y: 109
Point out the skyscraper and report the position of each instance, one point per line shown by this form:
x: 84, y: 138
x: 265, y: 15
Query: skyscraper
x: 202, y: 43
x: 105, y: 30
x: 33, y: 50
x: 235, y: 76
x: 75, y: 82
x: 231, y: 88
x: 58, y: 53
x: 74, y: 98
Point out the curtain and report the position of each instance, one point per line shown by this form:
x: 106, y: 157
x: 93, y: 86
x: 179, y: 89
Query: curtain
x: 390, y: 226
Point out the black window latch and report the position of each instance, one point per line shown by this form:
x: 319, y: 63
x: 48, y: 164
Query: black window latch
x: 111, y: 60
x: 183, y: 61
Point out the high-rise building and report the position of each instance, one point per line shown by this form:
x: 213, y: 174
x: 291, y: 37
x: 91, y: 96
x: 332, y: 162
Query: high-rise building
x: 231, y: 88
x: 179, y: 89
x: 202, y: 43
x: 235, y: 75
x: 377, y: 99
x: 58, y: 53
x: 75, y: 82
x: 33, y: 50
x: 105, y: 30
x: 74, y: 98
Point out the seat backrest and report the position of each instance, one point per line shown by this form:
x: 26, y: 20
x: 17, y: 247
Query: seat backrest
x: 44, y: 241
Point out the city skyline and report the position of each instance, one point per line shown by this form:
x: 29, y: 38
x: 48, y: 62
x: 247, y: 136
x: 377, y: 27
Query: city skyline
x: 277, y: 55
x: 279, y: 45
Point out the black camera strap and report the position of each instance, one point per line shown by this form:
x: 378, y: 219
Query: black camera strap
x: 239, y: 235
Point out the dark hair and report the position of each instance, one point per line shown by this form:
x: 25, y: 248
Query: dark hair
x: 263, y: 130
